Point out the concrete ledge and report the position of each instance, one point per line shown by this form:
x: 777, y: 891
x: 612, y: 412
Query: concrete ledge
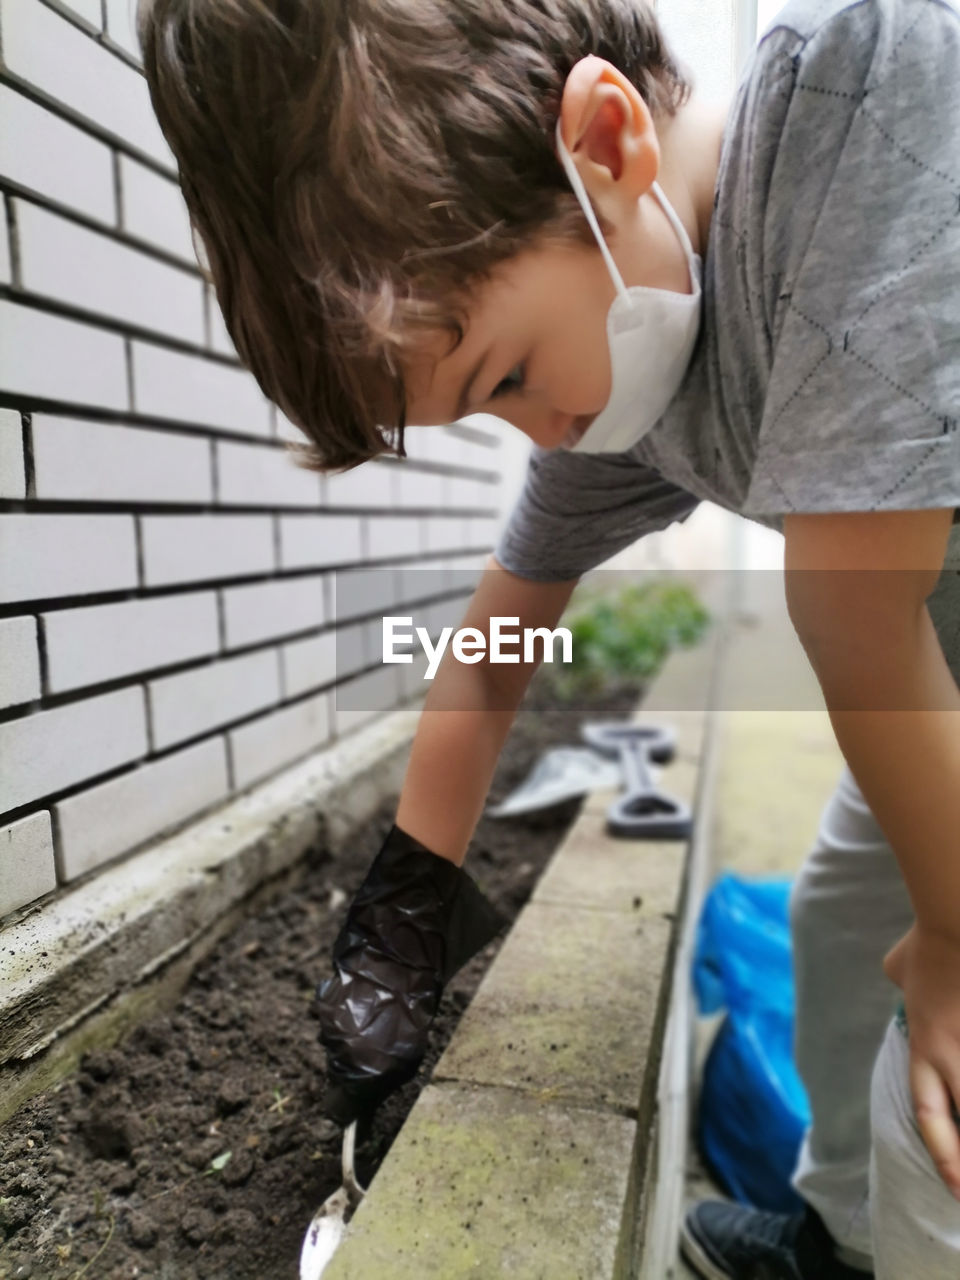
x: 529, y: 1154
x: 479, y: 1185
x: 92, y: 962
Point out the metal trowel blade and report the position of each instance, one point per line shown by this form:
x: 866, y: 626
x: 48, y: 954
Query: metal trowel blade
x: 324, y: 1235
x: 560, y: 774
x: 329, y: 1223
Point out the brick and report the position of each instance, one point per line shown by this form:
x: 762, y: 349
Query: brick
x: 106, y: 641
x: 306, y: 541
x: 19, y: 661
x: 365, y: 590
x: 220, y: 339
x: 120, y: 25
x: 59, y: 555
x: 96, y: 462
x: 49, y: 155
x: 51, y: 750
x: 58, y: 359
x: 194, y: 548
x: 6, y: 266
x: 270, y: 609
x: 309, y: 663
x: 483, y: 531
x: 170, y: 384
x: 443, y: 444
x: 420, y: 488
x: 393, y: 536
x: 154, y: 209
x: 62, y: 260
x: 89, y: 10
x: 194, y: 702
x: 357, y: 702
x: 413, y: 679
x: 286, y: 430
x: 265, y: 745
x: 445, y: 533
x: 49, y: 52
x: 26, y: 861
x: 369, y: 485
x: 13, y: 482
x: 106, y: 820
x: 263, y: 476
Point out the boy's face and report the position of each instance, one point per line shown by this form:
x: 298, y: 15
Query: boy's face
x: 535, y: 349
x: 536, y: 341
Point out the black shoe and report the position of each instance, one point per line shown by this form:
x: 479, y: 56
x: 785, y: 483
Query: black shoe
x: 723, y: 1241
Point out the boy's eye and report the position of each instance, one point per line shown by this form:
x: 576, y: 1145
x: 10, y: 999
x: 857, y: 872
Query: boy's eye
x: 512, y: 382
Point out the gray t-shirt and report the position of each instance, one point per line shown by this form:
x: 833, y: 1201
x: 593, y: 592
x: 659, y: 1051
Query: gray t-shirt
x: 826, y: 375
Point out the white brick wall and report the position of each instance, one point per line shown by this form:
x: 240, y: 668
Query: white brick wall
x: 51, y: 750
x: 170, y: 384
x: 49, y: 155
x: 94, y: 462
x: 197, y: 701
x: 194, y: 548
x: 13, y: 482
x: 168, y: 576
x: 392, y: 536
x: 26, y: 861
x: 308, y: 664
x: 6, y: 266
x: 19, y: 661
x: 60, y: 259
x: 250, y: 475
x: 264, y: 745
x: 88, y: 10
x: 48, y: 555
x: 53, y: 358
x: 115, y: 816
x: 307, y: 541
x: 104, y: 641
x: 271, y: 609
x: 120, y: 25
x: 49, y: 53
x: 154, y: 210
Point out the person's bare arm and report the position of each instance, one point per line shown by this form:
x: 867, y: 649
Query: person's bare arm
x: 419, y: 916
x: 468, y: 713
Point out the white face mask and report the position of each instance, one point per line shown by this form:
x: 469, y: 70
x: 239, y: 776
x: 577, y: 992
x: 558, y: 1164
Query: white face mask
x: 651, y: 332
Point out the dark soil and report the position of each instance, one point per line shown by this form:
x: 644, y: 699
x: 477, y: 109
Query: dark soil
x: 196, y: 1149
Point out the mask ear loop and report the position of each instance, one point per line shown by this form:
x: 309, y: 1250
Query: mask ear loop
x: 580, y: 192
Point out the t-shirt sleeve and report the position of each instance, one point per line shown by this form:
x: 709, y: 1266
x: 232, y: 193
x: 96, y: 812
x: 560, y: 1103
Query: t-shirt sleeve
x: 576, y: 510
x: 861, y: 250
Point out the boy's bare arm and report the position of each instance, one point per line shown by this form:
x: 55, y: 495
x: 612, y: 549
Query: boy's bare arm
x: 467, y: 716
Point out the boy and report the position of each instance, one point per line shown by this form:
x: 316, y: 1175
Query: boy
x: 383, y: 193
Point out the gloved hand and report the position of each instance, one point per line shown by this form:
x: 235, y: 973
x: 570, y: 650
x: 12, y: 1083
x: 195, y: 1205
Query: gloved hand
x: 416, y: 919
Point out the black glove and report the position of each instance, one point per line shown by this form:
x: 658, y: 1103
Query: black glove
x: 416, y: 919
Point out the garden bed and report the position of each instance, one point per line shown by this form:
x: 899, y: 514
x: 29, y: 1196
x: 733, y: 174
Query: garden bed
x: 197, y: 1148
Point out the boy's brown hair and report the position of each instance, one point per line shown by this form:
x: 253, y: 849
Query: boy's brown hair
x: 353, y: 168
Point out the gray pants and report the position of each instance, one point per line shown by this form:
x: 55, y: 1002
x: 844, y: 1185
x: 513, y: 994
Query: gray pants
x: 863, y: 1165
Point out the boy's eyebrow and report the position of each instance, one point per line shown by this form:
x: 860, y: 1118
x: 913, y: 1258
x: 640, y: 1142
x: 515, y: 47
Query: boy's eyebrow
x: 468, y: 387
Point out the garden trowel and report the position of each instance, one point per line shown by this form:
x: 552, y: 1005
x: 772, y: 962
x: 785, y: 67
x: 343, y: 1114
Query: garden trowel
x: 330, y: 1221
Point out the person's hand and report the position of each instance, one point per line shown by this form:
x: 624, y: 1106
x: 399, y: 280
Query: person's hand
x: 926, y: 967
x: 416, y: 919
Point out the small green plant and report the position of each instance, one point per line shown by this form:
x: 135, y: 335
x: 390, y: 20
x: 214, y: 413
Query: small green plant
x: 625, y: 635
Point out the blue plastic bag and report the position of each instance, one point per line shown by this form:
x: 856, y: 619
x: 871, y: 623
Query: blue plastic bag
x: 753, y: 1107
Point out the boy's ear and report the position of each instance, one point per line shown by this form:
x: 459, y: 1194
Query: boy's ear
x: 609, y: 132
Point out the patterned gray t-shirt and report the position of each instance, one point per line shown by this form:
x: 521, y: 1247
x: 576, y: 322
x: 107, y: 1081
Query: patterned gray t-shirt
x: 826, y: 375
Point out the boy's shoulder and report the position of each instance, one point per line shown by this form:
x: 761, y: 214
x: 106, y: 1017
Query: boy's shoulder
x: 813, y: 21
